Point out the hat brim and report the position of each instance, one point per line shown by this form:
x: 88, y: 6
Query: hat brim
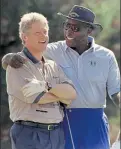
x: 94, y: 25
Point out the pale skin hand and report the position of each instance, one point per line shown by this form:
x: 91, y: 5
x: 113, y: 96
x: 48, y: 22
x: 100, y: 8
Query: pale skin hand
x: 64, y: 91
x: 49, y: 98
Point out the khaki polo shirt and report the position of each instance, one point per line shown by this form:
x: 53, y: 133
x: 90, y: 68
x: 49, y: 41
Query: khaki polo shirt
x: 22, y: 108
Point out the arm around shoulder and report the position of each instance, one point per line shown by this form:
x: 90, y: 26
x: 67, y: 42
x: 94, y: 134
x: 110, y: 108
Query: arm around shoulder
x: 6, y: 60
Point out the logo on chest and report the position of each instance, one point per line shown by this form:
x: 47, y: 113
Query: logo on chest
x: 92, y: 63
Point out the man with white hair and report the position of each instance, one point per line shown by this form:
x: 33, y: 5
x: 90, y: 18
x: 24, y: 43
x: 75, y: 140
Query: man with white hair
x: 35, y: 91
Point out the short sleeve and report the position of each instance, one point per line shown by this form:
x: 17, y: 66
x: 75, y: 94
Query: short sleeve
x: 16, y: 80
x: 113, y: 81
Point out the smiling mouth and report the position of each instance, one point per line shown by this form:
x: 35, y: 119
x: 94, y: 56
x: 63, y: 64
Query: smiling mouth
x: 42, y: 42
x: 69, y: 38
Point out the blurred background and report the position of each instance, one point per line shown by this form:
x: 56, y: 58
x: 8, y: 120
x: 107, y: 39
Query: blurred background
x: 107, y: 13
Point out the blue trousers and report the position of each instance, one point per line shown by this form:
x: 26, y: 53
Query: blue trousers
x: 27, y: 137
x: 89, y: 127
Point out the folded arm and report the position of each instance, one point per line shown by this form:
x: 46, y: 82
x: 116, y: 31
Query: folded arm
x: 22, y: 85
x: 60, y: 92
x: 65, y: 90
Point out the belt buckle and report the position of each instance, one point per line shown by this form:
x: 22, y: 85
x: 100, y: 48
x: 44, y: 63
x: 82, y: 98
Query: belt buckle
x: 50, y: 127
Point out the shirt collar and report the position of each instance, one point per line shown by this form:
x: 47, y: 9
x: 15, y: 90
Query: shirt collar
x: 31, y: 57
x: 90, y: 40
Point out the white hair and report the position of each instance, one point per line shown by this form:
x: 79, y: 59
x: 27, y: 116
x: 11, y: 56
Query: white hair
x: 27, y: 20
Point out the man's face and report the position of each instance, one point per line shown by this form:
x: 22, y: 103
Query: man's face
x: 37, y: 37
x: 75, y: 32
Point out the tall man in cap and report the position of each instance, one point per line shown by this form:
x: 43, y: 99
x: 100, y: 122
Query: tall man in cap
x: 36, y: 90
x: 93, y: 69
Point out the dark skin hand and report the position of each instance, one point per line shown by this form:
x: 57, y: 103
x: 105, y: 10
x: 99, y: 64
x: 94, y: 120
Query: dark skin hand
x: 14, y: 60
x: 17, y: 61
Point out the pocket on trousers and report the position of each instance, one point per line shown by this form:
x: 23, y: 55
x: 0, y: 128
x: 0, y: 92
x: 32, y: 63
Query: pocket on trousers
x: 15, y: 132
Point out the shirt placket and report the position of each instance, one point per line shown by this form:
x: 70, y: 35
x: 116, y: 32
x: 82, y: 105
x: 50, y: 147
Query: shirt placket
x: 42, y: 71
x: 73, y: 61
x: 80, y: 67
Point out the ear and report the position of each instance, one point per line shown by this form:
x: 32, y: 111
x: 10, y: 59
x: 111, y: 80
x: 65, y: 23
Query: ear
x: 90, y: 30
x: 24, y: 37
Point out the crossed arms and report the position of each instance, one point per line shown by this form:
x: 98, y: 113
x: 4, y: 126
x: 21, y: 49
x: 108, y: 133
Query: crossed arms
x: 24, y: 85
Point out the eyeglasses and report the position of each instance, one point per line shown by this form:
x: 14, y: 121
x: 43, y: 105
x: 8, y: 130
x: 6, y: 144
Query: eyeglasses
x: 74, y: 27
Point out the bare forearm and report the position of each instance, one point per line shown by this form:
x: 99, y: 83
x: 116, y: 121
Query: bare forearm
x: 64, y: 91
x: 48, y: 98
x: 116, y: 98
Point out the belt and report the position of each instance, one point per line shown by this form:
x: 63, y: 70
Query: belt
x: 38, y: 125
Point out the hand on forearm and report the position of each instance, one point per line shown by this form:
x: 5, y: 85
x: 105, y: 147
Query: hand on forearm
x: 64, y: 91
x: 61, y: 92
x: 48, y: 98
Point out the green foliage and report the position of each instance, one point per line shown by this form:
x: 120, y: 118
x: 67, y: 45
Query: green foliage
x: 107, y: 13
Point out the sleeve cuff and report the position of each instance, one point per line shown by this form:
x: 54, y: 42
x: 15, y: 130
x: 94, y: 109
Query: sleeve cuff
x: 112, y: 92
x: 39, y: 96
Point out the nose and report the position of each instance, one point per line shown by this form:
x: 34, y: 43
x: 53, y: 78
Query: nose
x: 43, y: 37
x: 69, y: 34
x: 69, y: 31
